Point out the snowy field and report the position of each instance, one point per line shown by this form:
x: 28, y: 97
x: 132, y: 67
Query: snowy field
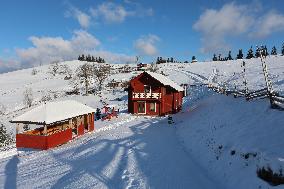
x: 216, y: 141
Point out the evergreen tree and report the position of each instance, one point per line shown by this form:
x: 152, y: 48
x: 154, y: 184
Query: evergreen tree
x: 83, y: 57
x: 158, y: 60
x: 172, y: 59
x: 5, y: 138
x: 229, y: 56
x: 257, y: 52
x: 273, y: 51
x: 250, y: 53
x: 265, y: 51
x: 93, y: 59
x: 240, y: 54
x: 79, y: 57
x: 282, y: 51
x: 214, y: 57
x: 219, y: 57
x: 193, y: 59
x: 89, y: 58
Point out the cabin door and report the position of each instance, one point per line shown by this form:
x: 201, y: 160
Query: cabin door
x: 141, y: 107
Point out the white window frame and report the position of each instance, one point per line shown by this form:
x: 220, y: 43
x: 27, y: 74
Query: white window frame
x: 144, y: 107
x: 155, y: 105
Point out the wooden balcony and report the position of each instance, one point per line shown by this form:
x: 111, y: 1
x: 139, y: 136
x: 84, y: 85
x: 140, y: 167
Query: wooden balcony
x: 147, y: 96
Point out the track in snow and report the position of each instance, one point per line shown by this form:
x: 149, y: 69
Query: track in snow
x: 137, y: 153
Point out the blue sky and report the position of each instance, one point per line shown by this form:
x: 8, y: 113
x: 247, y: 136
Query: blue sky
x: 37, y: 32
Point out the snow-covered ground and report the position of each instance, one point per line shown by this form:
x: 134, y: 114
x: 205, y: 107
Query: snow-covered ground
x: 216, y: 141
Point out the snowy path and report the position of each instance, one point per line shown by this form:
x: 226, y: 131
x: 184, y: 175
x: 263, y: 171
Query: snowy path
x: 193, y: 78
x: 143, y: 153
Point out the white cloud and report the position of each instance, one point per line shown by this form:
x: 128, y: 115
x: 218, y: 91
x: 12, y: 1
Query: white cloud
x: 268, y: 24
x: 233, y: 20
x: 216, y: 25
x: 110, y: 12
x: 81, y: 17
x: 48, y: 49
x: 146, y: 45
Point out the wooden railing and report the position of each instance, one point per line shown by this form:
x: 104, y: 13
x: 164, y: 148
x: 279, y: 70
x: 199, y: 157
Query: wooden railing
x: 146, y: 95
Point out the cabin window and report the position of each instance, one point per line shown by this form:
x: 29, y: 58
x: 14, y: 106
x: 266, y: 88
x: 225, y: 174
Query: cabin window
x: 147, y: 88
x: 153, y: 107
x: 141, y: 107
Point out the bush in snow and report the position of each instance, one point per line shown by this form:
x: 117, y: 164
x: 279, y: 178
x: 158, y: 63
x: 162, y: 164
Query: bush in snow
x: 5, y: 138
x: 26, y: 127
x: 34, y: 71
x: 273, y: 178
x: 28, y: 97
x: 46, y: 97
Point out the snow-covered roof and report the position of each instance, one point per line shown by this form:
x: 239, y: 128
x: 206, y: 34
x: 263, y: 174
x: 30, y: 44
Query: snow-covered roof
x: 52, y: 112
x: 165, y: 81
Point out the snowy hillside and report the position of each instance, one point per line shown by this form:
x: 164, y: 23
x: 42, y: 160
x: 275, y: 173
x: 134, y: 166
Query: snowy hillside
x: 217, y: 141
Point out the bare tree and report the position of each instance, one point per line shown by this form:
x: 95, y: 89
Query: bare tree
x: 53, y: 68
x: 84, y: 74
x: 74, y: 83
x: 153, y: 67
x: 126, y: 68
x: 101, y: 73
x: 68, y: 72
x: 2, y: 109
x: 28, y: 97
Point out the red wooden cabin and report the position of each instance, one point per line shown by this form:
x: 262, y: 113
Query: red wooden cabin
x: 154, y: 94
x: 54, y: 123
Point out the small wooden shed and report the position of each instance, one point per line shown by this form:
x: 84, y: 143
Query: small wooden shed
x: 154, y: 94
x: 54, y: 123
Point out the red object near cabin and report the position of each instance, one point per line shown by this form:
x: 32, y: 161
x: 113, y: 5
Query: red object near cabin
x: 154, y: 94
x: 81, y: 129
x: 41, y: 141
x: 110, y: 111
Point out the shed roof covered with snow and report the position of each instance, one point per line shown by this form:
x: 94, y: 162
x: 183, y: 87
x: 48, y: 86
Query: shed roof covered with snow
x: 165, y: 81
x: 53, y: 112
